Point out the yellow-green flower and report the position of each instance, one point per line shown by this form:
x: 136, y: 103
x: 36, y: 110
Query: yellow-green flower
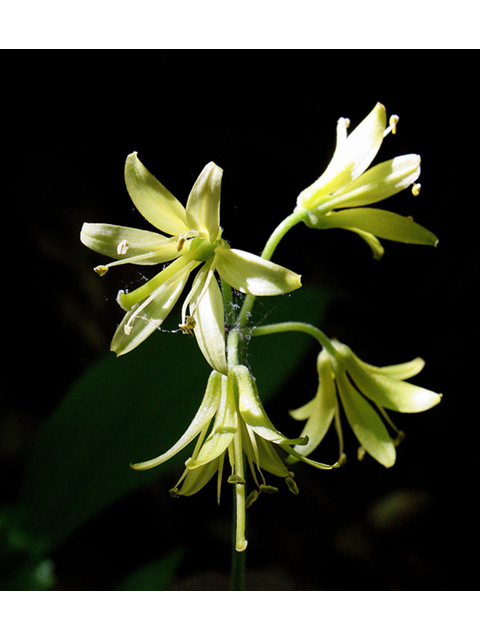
x: 241, y: 429
x: 339, y: 198
x: 364, y: 392
x: 194, y: 237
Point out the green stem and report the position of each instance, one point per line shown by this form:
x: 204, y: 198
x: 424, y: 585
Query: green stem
x: 237, y: 576
x: 303, y: 327
x: 234, y: 344
x: 272, y: 243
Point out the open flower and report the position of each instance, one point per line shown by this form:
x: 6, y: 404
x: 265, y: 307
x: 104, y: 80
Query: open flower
x: 339, y: 198
x: 364, y: 392
x: 241, y: 428
x: 194, y: 238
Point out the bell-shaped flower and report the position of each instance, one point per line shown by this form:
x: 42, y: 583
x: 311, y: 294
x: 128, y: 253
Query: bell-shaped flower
x: 241, y: 430
x: 340, y: 198
x: 365, y: 392
x: 193, y: 237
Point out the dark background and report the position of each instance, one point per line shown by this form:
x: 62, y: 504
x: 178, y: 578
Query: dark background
x: 268, y: 119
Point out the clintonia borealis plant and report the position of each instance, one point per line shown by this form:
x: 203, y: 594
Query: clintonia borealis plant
x: 234, y: 438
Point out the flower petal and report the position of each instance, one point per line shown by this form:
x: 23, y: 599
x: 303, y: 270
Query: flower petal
x: 269, y: 460
x: 387, y: 391
x: 224, y: 428
x: 203, y: 206
x: 196, y: 479
x: 252, y: 411
x: 128, y: 245
x: 303, y: 412
x: 147, y: 315
x: 381, y: 223
x: 323, y: 409
x: 154, y: 202
x: 249, y: 273
x: 378, y: 183
x: 206, y: 307
x: 401, y: 371
x: 128, y: 300
x: 351, y: 158
x: 373, y: 242
x: 202, y: 419
x: 365, y: 422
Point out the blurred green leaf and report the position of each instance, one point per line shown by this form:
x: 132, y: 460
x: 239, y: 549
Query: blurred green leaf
x: 155, y: 576
x: 22, y: 564
x: 121, y: 410
x: 135, y: 407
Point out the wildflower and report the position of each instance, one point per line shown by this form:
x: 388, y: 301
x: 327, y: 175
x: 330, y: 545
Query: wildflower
x: 241, y: 428
x: 194, y: 237
x: 339, y: 197
x: 364, y: 392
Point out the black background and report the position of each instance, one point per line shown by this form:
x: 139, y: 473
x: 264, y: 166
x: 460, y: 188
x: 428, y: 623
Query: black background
x: 268, y: 119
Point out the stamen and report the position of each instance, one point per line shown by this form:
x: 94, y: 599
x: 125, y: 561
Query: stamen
x: 183, y: 237
x: 416, y: 186
x: 122, y: 247
x: 292, y: 485
x: 101, y: 269
x: 361, y: 453
x: 188, y: 326
x: 128, y: 326
x: 251, y: 498
x: 393, y: 121
x: 202, y: 282
x: 267, y: 488
x: 342, y: 126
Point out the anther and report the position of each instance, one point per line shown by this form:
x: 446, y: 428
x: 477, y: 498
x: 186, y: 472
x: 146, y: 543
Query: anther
x: 122, y: 247
x: 188, y: 326
x: 127, y: 329
x: 251, y: 498
x: 393, y: 121
x: 343, y: 459
x: 182, y: 238
x: 360, y: 453
x: 292, y: 485
x: 267, y: 488
x: 392, y: 128
x: 234, y: 479
x: 101, y: 270
x: 416, y: 186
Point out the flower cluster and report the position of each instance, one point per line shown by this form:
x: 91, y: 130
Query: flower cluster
x: 195, y: 238
x: 364, y: 392
x: 241, y: 429
x: 339, y: 198
x: 231, y: 424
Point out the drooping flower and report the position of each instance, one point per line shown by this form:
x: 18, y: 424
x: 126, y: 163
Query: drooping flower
x: 364, y: 392
x: 241, y: 429
x: 340, y: 197
x: 193, y: 237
